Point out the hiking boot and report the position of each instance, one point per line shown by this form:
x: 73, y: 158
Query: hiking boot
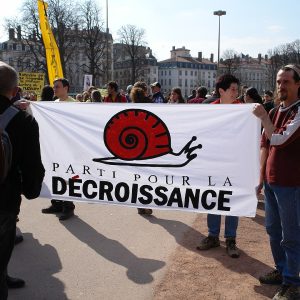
x: 209, y: 242
x: 52, y: 209
x: 231, y: 248
x: 144, y: 211
x: 287, y: 292
x: 273, y: 277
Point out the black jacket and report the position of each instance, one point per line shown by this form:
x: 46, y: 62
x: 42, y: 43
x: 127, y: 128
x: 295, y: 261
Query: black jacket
x: 27, y: 171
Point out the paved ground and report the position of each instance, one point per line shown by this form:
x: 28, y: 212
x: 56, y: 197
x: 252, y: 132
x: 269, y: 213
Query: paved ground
x: 106, y: 252
x: 110, y: 252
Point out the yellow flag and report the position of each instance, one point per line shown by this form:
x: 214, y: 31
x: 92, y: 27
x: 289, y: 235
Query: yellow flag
x: 52, y: 53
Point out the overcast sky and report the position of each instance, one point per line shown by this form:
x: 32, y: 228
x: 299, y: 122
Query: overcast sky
x: 250, y: 27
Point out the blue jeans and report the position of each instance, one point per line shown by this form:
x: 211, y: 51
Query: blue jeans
x: 214, y: 225
x: 282, y: 205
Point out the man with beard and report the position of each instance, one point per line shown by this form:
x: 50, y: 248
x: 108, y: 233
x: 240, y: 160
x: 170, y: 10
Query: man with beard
x: 280, y: 172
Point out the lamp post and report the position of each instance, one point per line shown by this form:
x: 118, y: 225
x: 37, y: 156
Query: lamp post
x: 219, y: 13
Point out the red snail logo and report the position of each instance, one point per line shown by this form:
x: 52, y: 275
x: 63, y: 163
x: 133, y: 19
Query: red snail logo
x: 134, y: 136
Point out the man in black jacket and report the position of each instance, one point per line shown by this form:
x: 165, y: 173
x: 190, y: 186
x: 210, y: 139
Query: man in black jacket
x: 26, y: 173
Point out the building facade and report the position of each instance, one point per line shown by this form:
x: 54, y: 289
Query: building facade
x: 252, y: 72
x: 146, y: 66
x: 186, y: 72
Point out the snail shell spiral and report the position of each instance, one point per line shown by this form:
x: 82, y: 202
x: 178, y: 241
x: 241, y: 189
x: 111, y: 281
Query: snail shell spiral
x: 137, y: 134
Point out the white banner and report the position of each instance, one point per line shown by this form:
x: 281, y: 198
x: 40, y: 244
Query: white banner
x: 200, y: 158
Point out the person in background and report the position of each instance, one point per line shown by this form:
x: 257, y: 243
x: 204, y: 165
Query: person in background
x: 85, y: 96
x: 268, y: 101
x: 214, y: 96
x: 96, y: 96
x: 157, y: 96
x: 127, y: 95
x: 66, y: 209
x: 227, y: 89
x: 280, y: 176
x: 251, y: 96
x: 176, y: 96
x: 192, y: 96
x: 241, y: 98
x: 47, y: 93
x: 113, y: 93
x: 79, y: 97
x: 200, y: 96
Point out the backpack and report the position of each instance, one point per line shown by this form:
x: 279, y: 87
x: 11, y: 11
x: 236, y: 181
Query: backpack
x: 5, y: 144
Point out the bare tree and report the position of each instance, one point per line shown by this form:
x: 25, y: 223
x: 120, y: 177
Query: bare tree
x: 62, y: 17
x: 29, y: 36
x: 231, y: 61
x: 280, y: 56
x: 134, y: 47
x: 94, y: 40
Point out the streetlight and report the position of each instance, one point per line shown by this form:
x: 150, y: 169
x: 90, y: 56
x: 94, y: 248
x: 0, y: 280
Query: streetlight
x: 219, y: 13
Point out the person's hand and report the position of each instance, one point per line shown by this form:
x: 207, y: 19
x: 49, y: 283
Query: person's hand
x: 259, y: 111
x: 259, y: 189
x: 22, y: 104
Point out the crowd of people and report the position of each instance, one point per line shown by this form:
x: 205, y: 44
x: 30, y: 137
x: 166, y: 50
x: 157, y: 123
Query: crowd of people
x: 280, y: 168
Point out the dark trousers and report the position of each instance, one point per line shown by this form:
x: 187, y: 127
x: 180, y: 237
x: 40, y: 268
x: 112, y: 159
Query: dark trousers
x: 63, y: 205
x: 7, y: 240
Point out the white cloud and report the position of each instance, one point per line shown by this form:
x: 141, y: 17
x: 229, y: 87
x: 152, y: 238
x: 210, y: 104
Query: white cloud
x: 275, y: 28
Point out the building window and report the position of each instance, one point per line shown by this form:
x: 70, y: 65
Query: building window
x: 170, y: 81
x: 185, y: 82
x: 191, y: 73
x: 180, y: 82
x: 180, y: 72
x: 169, y: 72
x: 185, y: 73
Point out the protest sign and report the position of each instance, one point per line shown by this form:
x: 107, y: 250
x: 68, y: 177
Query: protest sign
x: 201, y: 158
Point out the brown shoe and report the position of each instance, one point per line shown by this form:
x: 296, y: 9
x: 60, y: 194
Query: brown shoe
x: 287, y: 292
x: 144, y: 211
x: 231, y: 248
x: 209, y: 242
x: 273, y: 277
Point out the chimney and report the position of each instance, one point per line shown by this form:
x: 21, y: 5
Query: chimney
x: 212, y: 57
x: 173, y: 48
x: 19, y: 33
x: 200, y: 56
x: 183, y: 47
x: 266, y: 57
x: 11, y: 33
x: 259, y: 58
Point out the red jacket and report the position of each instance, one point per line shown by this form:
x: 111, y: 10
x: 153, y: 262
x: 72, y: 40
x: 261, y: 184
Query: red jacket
x: 119, y: 99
